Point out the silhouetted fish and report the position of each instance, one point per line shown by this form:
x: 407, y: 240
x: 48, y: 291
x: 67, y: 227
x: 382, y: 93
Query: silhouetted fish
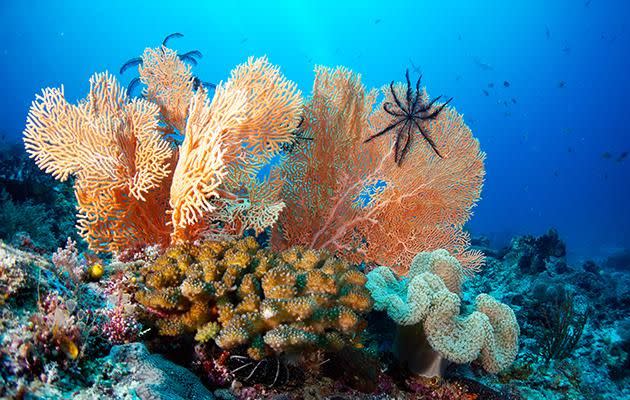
x: 588, y: 3
x: 243, y: 40
x: 171, y: 36
x: 570, y: 149
x: 622, y: 156
x: 490, y: 85
x: 377, y: 21
x: 566, y: 50
x: 482, y: 65
x: 513, y: 100
x: 506, y: 84
x: 561, y: 84
x: 485, y: 92
x: 606, y: 155
x: 547, y: 32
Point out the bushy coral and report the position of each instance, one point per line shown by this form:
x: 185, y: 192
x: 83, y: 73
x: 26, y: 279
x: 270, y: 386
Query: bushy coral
x: 430, y: 296
x: 241, y: 295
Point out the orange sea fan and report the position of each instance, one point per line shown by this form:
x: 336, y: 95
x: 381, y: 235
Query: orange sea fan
x: 116, y: 154
x: 274, y: 105
x: 351, y: 197
x: 271, y: 114
x: 200, y: 168
x: 169, y: 84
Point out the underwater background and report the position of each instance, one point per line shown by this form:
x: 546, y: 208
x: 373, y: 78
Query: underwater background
x: 556, y: 137
x: 359, y: 277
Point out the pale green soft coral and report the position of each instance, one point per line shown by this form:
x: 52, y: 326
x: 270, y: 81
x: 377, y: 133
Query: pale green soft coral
x: 430, y: 295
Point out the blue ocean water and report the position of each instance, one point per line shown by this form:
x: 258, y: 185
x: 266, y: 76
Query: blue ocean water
x: 543, y: 84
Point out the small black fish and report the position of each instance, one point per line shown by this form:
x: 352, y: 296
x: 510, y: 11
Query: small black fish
x: 547, y: 32
x: 377, y: 21
x: 561, y: 84
x: 484, y: 66
x: 243, y: 40
x: 506, y: 84
x: 485, y: 92
x: 458, y: 78
x: 490, y: 85
x: 566, y: 50
x: 171, y: 36
x: 570, y: 149
x: 588, y: 3
x: 606, y: 155
x: 556, y: 174
x: 622, y: 156
x: 513, y: 100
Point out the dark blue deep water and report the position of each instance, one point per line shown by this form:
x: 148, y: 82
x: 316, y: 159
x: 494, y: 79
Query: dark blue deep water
x: 543, y: 84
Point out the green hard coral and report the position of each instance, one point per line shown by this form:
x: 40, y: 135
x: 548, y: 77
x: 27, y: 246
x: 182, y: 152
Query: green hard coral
x: 429, y: 296
x: 242, y: 296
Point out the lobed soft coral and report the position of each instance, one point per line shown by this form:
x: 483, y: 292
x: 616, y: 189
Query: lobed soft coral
x: 241, y: 295
x: 430, y: 296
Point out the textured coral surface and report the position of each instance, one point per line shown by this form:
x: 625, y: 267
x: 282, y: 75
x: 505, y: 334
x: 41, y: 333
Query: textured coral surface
x: 241, y: 295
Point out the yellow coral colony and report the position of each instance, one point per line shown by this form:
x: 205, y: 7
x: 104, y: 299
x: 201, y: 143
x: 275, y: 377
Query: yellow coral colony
x: 238, y: 294
x: 133, y: 185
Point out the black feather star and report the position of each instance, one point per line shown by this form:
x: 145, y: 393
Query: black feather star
x: 134, y: 62
x: 191, y: 56
x: 410, y: 115
x: 171, y: 36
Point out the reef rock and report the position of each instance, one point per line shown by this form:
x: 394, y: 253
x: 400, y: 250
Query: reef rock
x: 130, y: 371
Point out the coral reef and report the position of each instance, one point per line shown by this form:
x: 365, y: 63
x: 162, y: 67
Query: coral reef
x: 593, y: 366
x: 131, y: 369
x: 430, y: 295
x: 35, y: 210
x: 240, y: 295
